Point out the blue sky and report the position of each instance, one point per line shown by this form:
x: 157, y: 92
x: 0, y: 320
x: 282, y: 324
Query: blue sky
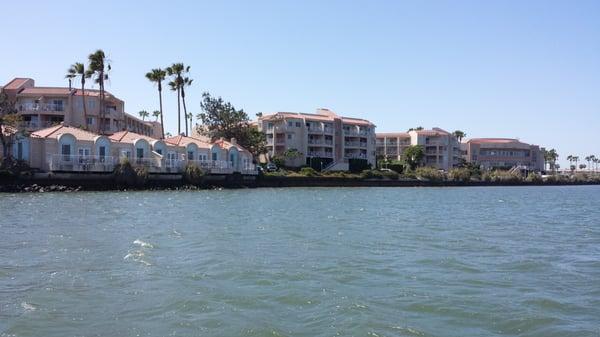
x: 524, y: 69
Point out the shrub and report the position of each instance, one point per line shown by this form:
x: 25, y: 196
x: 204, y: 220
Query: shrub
x: 534, y: 178
x: 460, y: 174
x: 279, y: 161
x: 125, y: 174
x: 371, y: 174
x: 393, y: 175
x: 192, y: 174
x: 430, y: 173
x: 356, y: 165
x: 499, y: 176
x: 308, y: 172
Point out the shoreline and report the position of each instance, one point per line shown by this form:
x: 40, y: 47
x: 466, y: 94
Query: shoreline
x: 108, y: 184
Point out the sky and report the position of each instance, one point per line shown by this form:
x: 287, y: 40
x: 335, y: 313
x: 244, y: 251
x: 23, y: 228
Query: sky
x: 519, y: 69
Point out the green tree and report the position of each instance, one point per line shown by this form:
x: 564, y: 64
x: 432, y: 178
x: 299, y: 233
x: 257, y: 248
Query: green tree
x: 143, y: 114
x: 412, y: 156
x: 156, y: 114
x: 221, y: 119
x: 78, y: 70
x: 551, y: 157
x: 98, y: 69
x: 459, y: 135
x: 418, y: 128
x: 186, y: 83
x: 8, y: 119
x: 190, y: 116
x: 176, y: 71
x: 157, y: 75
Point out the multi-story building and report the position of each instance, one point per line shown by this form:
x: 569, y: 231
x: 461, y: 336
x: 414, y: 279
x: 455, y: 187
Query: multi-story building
x: 503, y: 153
x: 41, y: 107
x: 441, y: 149
x: 323, y: 137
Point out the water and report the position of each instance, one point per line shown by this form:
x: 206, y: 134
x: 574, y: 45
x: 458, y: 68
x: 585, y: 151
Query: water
x: 503, y: 261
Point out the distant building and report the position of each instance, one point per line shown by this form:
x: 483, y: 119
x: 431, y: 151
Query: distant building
x: 503, y: 153
x: 42, y: 107
x: 323, y: 137
x: 441, y: 148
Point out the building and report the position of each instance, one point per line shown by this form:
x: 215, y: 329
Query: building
x: 503, y: 153
x: 63, y: 148
x: 441, y: 148
x: 322, y: 140
x: 42, y: 107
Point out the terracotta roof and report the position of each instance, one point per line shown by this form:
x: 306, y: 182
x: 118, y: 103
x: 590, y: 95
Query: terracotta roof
x: 129, y: 137
x: 433, y: 132
x: 349, y: 120
x: 392, y: 134
x: 45, y: 91
x: 496, y: 141
x: 184, y: 141
x: 222, y: 143
x: 55, y: 131
x: 16, y: 83
x: 326, y: 116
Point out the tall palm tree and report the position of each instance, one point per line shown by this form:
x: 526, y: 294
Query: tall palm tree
x: 157, y: 76
x: 156, y: 114
x: 98, y: 69
x: 589, y: 160
x: 459, y: 135
x: 570, y: 159
x: 576, y: 160
x: 190, y: 116
x: 176, y: 71
x: 186, y: 83
x: 78, y: 70
x: 143, y: 114
x: 550, y: 157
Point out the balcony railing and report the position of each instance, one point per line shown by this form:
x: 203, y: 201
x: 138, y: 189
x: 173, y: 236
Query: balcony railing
x: 322, y: 154
x: 355, y: 156
x: 355, y: 144
x: 41, y: 107
x: 352, y: 132
x: 81, y: 163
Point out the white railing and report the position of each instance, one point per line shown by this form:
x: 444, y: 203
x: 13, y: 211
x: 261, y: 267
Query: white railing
x: 315, y: 141
x: 81, y: 163
x: 355, y: 144
x: 213, y: 166
x: 41, y: 107
x: 355, y: 156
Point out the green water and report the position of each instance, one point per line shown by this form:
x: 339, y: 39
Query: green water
x: 497, y: 261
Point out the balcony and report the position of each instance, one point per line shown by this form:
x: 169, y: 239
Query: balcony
x: 33, y: 125
x: 352, y: 132
x: 213, y: 166
x: 81, y: 163
x: 355, y: 155
x: 315, y: 141
x: 355, y: 144
x: 41, y: 107
x: 321, y: 154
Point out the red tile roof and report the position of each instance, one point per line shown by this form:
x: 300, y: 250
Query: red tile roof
x: 183, y: 141
x: 129, y: 137
x: 16, y: 83
x: 57, y: 130
x: 45, y: 91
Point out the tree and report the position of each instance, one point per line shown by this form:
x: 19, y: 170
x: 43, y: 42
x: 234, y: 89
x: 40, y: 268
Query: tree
x: 156, y: 114
x: 98, y: 69
x: 8, y: 119
x: 582, y: 166
x: 186, y: 83
x: 418, y: 128
x: 222, y: 119
x: 190, y: 116
x: 551, y: 157
x: 576, y: 159
x: 589, y: 160
x: 459, y: 135
x: 412, y: 156
x: 176, y: 71
x: 143, y: 114
x: 78, y: 70
x: 157, y: 75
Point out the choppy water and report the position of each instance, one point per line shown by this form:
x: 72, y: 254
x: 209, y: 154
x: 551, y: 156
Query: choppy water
x: 302, y: 262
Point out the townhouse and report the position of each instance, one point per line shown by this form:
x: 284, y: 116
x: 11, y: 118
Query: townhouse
x: 503, y: 153
x: 323, y: 140
x: 42, y: 107
x: 441, y: 148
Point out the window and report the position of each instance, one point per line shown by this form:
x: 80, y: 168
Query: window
x: 58, y: 105
x: 66, y: 152
x: 126, y: 154
x: 139, y: 153
x: 84, y: 151
x: 190, y: 155
x: 102, y: 151
x: 214, y: 156
x: 203, y: 157
x: 289, y: 136
x: 290, y: 124
x: 91, y: 104
x: 90, y: 120
x: 19, y: 150
x: 159, y: 151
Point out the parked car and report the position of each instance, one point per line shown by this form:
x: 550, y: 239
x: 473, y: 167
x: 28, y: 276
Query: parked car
x: 271, y: 167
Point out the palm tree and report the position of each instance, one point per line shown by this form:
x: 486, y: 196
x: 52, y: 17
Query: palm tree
x: 98, y: 69
x: 589, y: 159
x: 78, y: 70
x: 143, y: 114
x: 176, y: 71
x: 190, y: 116
x: 459, y: 135
x: 157, y: 76
x: 576, y: 160
x: 551, y: 157
x: 156, y: 114
x: 570, y: 159
x: 186, y: 83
